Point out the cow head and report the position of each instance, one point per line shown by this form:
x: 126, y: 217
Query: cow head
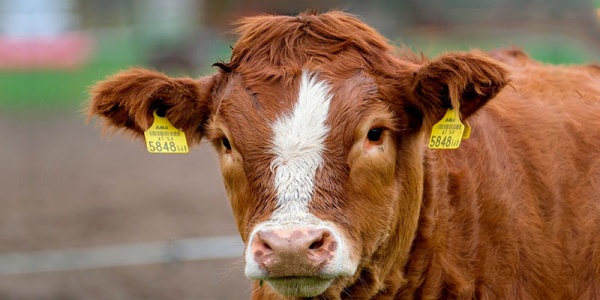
x: 320, y: 130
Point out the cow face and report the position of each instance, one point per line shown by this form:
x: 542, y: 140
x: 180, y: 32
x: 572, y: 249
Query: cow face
x: 305, y: 171
x: 322, y: 159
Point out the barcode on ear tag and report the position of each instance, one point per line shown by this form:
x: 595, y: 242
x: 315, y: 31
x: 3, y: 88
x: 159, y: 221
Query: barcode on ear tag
x: 447, y: 133
x: 163, y: 137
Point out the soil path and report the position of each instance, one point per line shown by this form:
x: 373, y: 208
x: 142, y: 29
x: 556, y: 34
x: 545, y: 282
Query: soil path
x: 63, y: 186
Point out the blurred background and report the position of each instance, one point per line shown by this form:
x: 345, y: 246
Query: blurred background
x: 89, y: 217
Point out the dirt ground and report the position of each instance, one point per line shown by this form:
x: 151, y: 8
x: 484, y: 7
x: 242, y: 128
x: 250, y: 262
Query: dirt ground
x: 64, y: 186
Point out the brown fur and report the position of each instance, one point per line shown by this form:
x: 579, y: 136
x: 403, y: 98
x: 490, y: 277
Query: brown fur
x: 512, y: 214
x: 129, y: 98
x: 516, y: 220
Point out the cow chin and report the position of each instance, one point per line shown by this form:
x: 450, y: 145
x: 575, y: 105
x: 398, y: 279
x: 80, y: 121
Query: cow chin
x: 300, y: 286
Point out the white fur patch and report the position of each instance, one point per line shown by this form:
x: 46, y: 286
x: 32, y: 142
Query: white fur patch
x: 298, y: 145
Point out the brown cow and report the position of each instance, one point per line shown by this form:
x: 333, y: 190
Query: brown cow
x: 322, y: 131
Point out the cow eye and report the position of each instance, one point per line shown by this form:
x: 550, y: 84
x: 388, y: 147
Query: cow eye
x: 226, y: 143
x: 374, y: 135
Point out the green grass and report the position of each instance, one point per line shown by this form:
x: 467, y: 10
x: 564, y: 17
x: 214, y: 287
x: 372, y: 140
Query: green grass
x: 549, y: 48
x: 42, y: 89
x: 68, y: 89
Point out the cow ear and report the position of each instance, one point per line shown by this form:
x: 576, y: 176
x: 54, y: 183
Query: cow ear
x: 128, y: 99
x: 464, y: 80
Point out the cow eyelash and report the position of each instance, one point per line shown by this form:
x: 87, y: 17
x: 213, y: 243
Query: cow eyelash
x: 375, y: 135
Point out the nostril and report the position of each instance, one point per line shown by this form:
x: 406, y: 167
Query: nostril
x: 321, y: 240
x: 316, y: 245
x: 261, y: 249
x: 266, y: 246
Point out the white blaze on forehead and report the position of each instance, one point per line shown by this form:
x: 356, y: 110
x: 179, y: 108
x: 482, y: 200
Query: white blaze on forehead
x: 298, y: 144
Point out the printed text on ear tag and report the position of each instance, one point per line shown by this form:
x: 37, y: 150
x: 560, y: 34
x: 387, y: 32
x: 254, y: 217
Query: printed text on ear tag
x: 163, y: 137
x: 447, y: 133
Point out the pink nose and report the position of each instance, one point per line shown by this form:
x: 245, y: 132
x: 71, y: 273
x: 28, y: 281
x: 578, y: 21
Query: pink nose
x: 301, y: 252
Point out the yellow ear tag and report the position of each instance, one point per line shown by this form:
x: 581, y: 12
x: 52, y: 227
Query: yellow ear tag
x: 163, y: 137
x: 467, y: 132
x: 447, y: 133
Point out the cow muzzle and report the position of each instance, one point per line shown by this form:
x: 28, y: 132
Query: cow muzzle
x: 297, y: 261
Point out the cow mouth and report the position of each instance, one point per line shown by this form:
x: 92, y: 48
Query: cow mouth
x: 300, y: 286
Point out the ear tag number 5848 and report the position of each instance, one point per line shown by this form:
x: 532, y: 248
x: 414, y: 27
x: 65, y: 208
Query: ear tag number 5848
x: 163, y: 137
x: 447, y: 133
